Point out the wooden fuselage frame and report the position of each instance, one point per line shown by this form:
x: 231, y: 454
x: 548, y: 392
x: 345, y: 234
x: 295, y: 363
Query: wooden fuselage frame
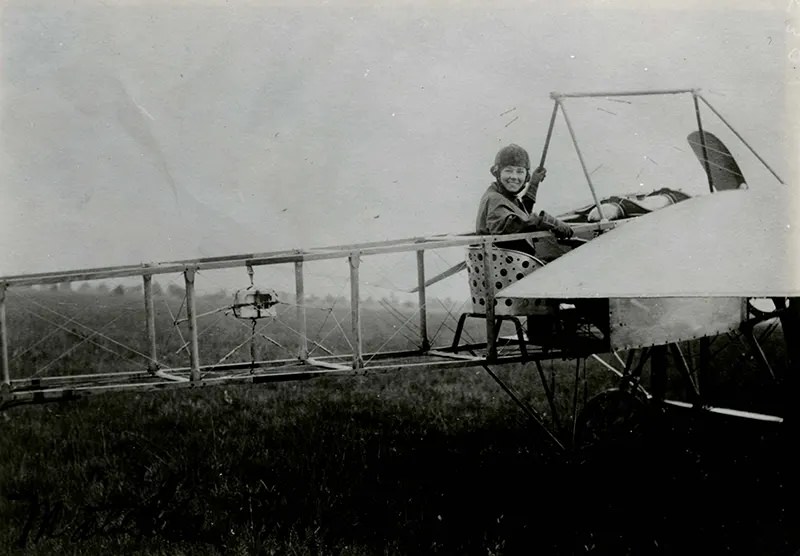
x: 154, y: 376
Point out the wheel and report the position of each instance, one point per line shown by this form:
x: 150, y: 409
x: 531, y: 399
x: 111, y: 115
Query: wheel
x: 610, y: 417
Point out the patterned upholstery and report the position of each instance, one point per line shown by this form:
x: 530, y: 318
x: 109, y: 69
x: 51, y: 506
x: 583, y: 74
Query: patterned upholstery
x: 507, y: 266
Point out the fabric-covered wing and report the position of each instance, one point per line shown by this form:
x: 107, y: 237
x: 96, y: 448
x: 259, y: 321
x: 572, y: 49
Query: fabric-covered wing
x: 740, y: 243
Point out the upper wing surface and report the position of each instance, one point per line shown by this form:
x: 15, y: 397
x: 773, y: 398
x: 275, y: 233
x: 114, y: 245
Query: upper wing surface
x: 742, y: 243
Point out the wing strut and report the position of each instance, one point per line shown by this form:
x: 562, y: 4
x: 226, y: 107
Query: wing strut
x: 557, y: 98
x: 703, y: 148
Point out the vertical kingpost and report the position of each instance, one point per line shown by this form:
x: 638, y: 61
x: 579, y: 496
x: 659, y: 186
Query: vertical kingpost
x: 355, y: 312
x: 423, y: 316
x: 150, y: 321
x: 299, y: 289
x: 191, y: 316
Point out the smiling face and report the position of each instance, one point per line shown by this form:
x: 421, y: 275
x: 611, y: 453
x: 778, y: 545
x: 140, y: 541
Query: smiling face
x: 512, y: 178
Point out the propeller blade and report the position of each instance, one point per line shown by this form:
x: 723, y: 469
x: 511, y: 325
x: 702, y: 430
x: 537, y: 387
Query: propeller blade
x: 446, y: 274
x: 724, y: 171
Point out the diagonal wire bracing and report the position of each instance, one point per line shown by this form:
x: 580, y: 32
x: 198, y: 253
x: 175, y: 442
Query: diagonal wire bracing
x: 85, y: 327
x: 45, y: 337
x: 390, y: 338
x: 400, y: 317
x: 62, y: 328
x: 331, y: 314
x: 185, y: 345
x: 255, y: 332
x: 40, y: 370
x: 344, y: 334
x: 465, y: 332
x: 174, y: 326
x: 316, y: 343
x: 260, y: 332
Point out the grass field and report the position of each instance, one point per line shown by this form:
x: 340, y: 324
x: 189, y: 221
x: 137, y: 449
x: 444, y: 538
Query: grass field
x: 410, y: 463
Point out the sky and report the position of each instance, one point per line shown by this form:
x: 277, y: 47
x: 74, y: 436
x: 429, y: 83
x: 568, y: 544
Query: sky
x: 147, y: 131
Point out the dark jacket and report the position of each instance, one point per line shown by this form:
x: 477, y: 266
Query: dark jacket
x: 500, y: 212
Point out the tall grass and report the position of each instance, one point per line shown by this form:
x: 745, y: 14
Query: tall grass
x: 411, y: 463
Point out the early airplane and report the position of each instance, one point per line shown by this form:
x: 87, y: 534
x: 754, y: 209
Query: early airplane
x: 728, y: 281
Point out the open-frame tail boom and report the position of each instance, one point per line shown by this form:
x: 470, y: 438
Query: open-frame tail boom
x: 155, y: 377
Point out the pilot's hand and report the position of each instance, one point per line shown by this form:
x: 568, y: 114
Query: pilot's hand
x: 559, y: 228
x: 537, y: 175
x: 563, y: 231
